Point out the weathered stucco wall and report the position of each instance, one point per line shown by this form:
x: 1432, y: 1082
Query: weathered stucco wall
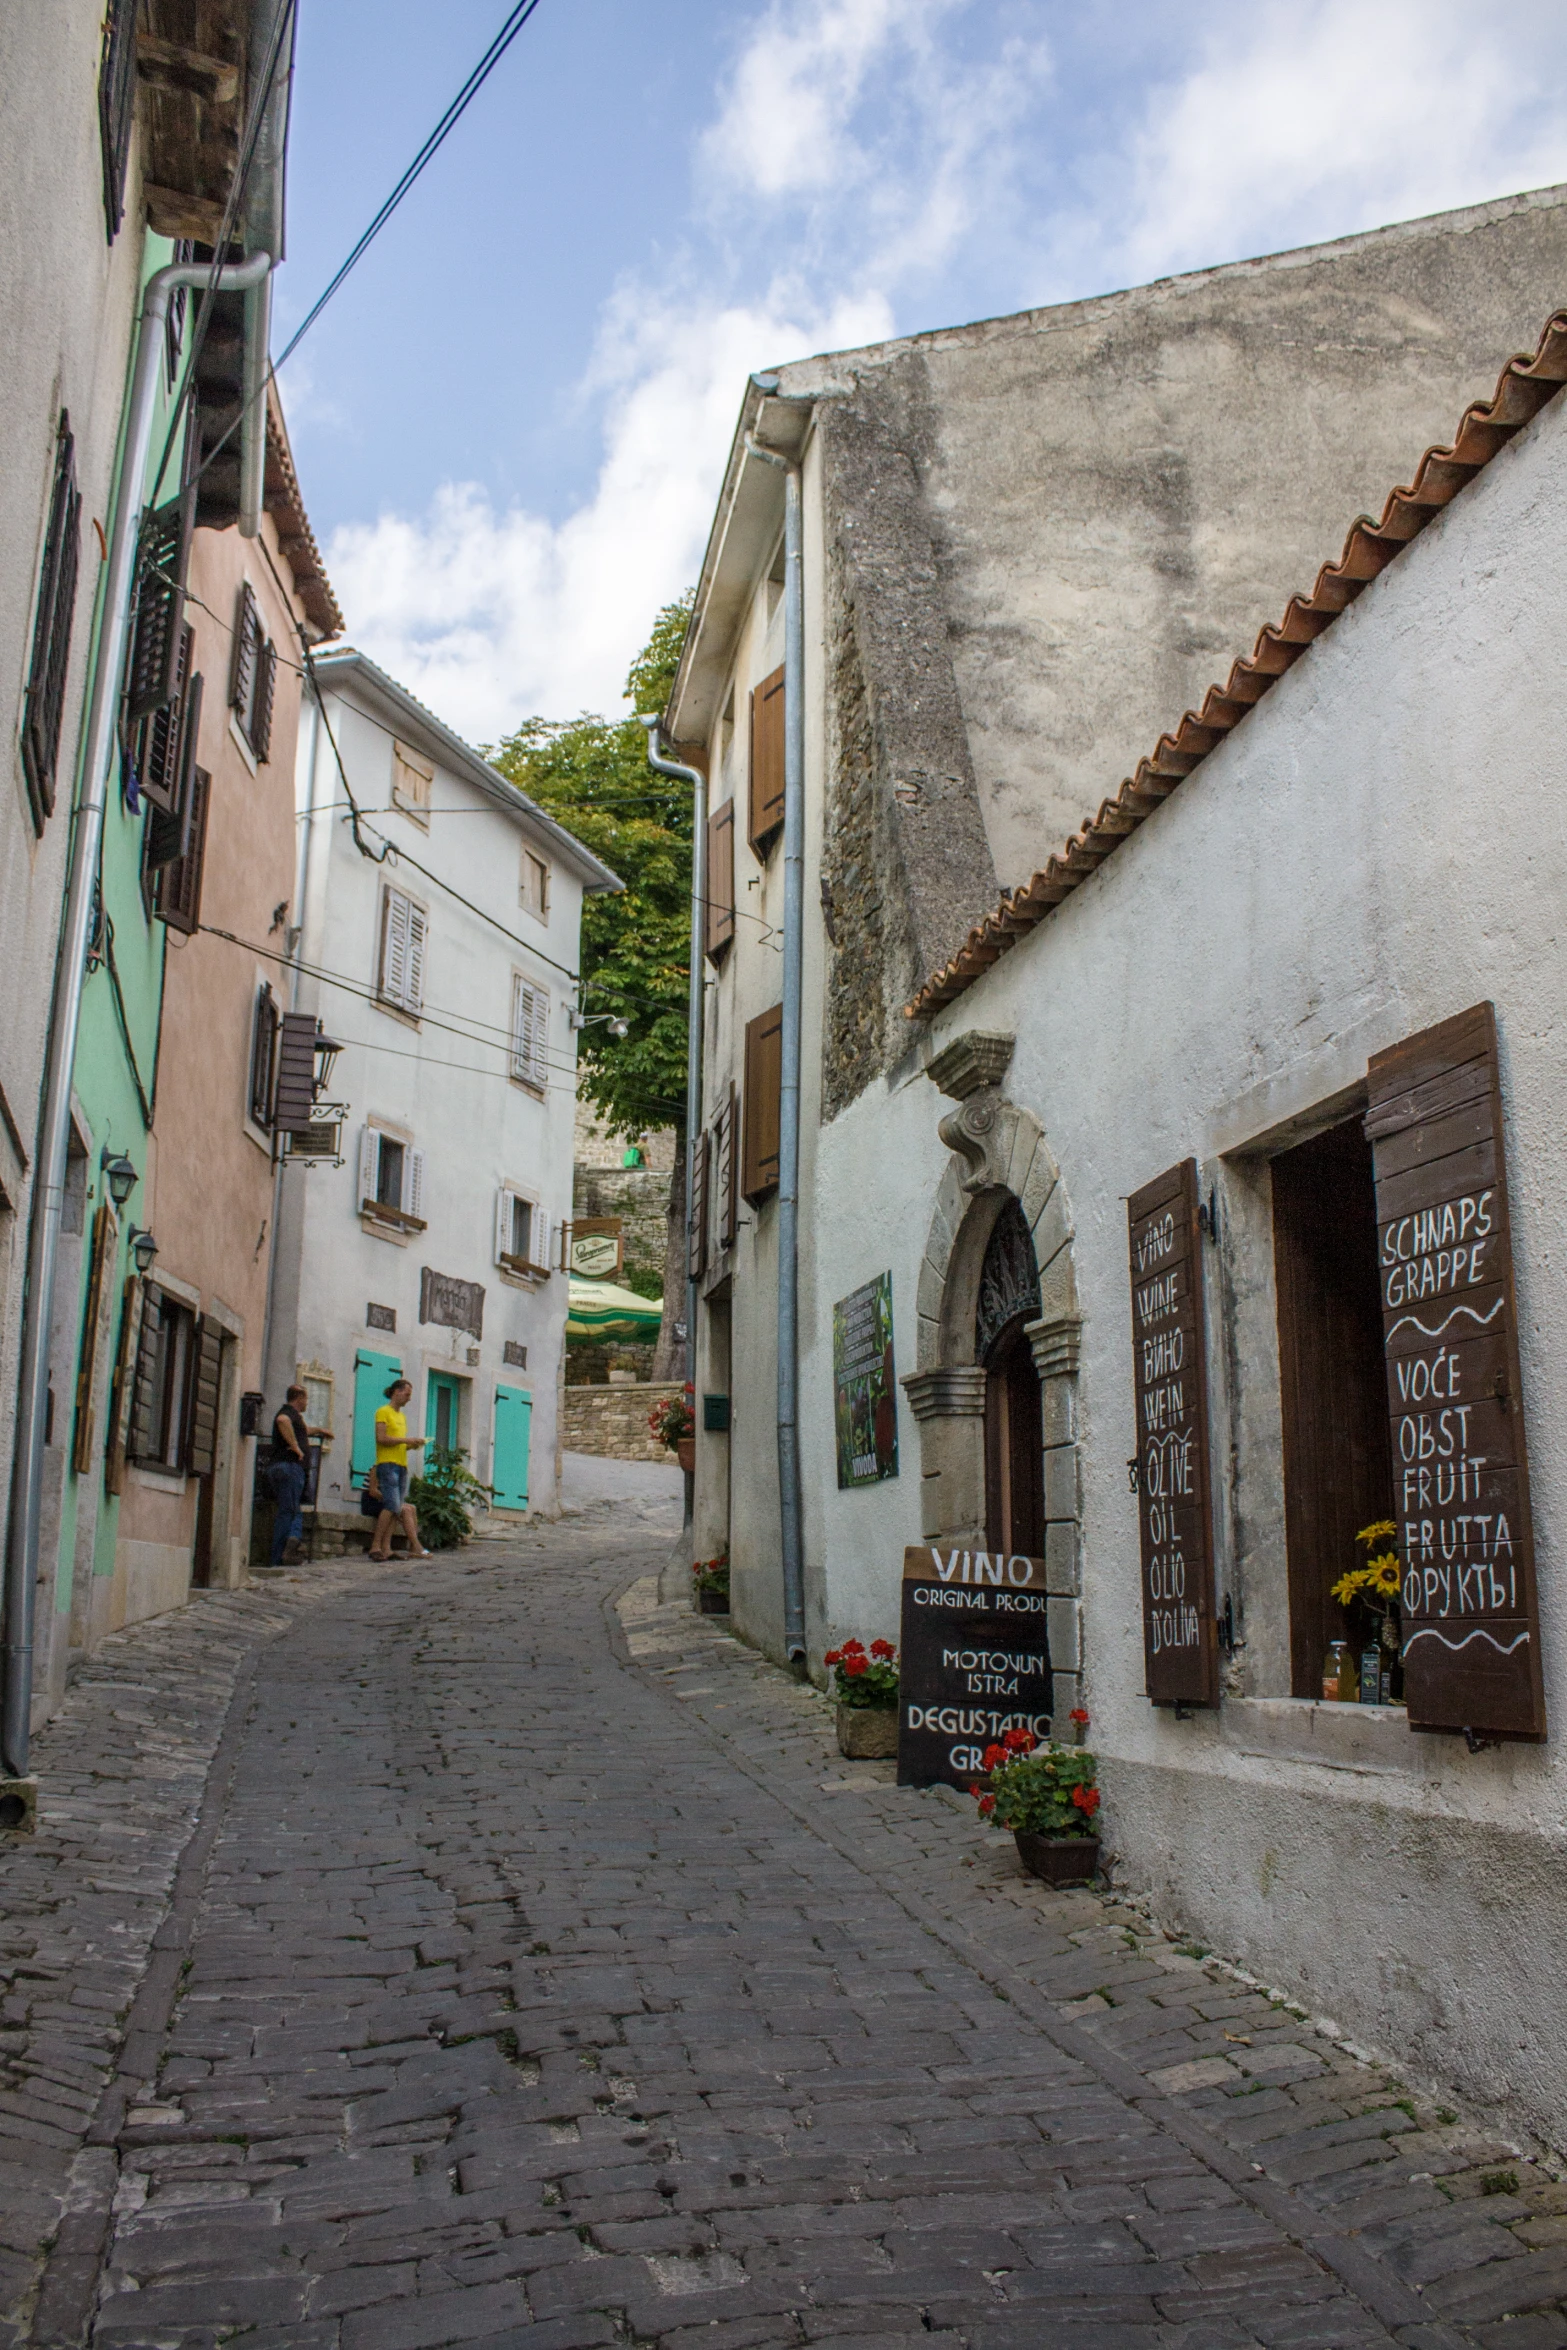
x: 1375, y: 848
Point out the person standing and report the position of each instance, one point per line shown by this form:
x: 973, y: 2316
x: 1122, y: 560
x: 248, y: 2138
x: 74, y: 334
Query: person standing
x: 392, y: 1446
x: 286, y: 1476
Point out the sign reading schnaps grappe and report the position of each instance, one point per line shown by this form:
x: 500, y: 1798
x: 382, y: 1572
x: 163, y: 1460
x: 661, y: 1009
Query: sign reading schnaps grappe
x: 975, y: 1661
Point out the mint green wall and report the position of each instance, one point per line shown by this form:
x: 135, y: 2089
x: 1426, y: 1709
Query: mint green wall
x: 102, y: 1080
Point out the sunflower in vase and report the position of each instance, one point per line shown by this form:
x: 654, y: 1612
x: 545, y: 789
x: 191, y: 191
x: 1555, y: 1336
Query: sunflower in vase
x: 1369, y: 1664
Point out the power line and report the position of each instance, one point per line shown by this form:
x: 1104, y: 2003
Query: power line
x: 497, y: 49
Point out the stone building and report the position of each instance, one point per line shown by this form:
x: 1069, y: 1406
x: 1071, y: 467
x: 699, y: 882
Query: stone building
x: 1028, y: 548
x: 623, y: 1182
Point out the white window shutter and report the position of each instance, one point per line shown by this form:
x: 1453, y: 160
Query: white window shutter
x: 519, y: 1026
x: 369, y: 1164
x: 541, y: 1037
x: 539, y: 1239
x: 414, y: 997
x: 413, y: 1183
x: 502, y: 1224
x: 394, y: 945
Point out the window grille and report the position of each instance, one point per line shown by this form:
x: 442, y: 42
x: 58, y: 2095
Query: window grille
x: 45, y: 704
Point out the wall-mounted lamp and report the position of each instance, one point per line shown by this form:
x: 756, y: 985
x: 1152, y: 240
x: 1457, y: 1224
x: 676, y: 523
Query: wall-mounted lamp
x: 610, y: 1020
x: 143, y: 1248
x: 327, y: 1050
x: 120, y: 1176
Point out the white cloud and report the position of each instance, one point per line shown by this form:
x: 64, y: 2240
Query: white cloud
x: 1302, y: 123
x: 490, y: 615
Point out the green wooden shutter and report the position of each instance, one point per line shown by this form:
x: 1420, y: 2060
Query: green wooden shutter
x: 373, y: 1375
x: 509, y: 1466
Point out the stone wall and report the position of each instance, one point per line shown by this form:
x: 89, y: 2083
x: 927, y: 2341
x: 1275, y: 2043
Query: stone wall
x: 612, y: 1421
x: 640, y: 1197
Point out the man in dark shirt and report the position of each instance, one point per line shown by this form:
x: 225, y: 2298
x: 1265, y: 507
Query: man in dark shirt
x: 286, y: 1476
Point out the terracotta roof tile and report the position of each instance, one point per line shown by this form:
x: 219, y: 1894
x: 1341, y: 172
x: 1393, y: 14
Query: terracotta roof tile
x: 285, y: 503
x: 1525, y: 384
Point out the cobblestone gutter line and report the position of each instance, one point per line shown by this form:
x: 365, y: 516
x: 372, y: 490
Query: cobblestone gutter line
x: 86, y: 1952
x: 1446, y: 2233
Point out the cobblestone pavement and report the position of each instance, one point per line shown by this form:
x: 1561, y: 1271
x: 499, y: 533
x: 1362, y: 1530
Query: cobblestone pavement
x: 537, y: 1973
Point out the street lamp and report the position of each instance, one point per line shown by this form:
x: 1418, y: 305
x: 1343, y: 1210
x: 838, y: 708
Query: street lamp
x: 120, y: 1176
x: 327, y: 1049
x: 143, y: 1248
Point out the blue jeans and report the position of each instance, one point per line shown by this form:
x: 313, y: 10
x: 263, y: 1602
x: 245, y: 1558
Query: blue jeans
x: 392, y: 1478
x: 287, y: 1479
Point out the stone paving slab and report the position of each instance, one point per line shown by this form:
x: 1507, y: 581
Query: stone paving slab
x: 536, y: 1972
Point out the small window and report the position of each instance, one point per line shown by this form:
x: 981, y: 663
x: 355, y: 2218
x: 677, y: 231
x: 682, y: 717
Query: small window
x: 164, y: 1367
x: 253, y: 680
x: 389, y: 1174
x: 411, y: 781
x: 535, y: 885
x: 530, y: 1018
x: 521, y: 1228
x: 56, y: 610
x: 263, y: 1054
x: 391, y: 1180
x: 400, y: 979
x: 177, y: 887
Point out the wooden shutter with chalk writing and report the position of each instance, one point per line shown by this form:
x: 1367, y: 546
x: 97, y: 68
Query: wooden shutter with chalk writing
x: 1170, y: 1398
x: 1455, y: 1398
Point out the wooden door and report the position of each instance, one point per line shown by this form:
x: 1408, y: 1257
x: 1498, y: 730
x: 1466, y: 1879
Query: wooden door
x: 1014, y: 1447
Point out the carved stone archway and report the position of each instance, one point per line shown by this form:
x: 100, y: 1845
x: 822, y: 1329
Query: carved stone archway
x: 999, y: 1152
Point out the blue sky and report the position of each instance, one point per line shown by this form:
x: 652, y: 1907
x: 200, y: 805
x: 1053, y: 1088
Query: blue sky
x: 511, y: 423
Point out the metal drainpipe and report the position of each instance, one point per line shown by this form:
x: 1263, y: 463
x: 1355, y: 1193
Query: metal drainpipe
x: 790, y: 1510
x: 698, y: 782
x: 21, y: 1565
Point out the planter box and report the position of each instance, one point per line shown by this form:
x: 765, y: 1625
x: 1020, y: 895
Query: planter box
x: 685, y: 1454
x: 1059, y: 1860
x: 868, y: 1733
x: 712, y: 1603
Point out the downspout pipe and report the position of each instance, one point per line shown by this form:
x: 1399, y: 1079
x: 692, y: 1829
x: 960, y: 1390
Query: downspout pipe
x: 698, y: 782
x: 790, y: 1506
x: 21, y: 1563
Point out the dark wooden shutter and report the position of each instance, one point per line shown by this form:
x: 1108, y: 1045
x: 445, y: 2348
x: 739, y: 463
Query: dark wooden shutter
x: 45, y: 705
x: 116, y: 106
x: 767, y: 761
x: 296, y: 1073
x: 720, y: 881
x: 104, y: 1231
x: 149, y: 1367
x: 1170, y: 1398
x: 201, y: 1438
x: 696, y: 1227
x: 266, y: 689
x: 162, y: 738
x: 178, y: 893
x: 1455, y: 1395
x: 763, y: 1073
x: 246, y: 635
x: 152, y: 677
x: 726, y: 1161
x: 170, y: 829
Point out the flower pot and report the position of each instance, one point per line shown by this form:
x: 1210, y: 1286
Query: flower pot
x: 685, y: 1454
x: 712, y: 1603
x: 868, y: 1733
x: 1059, y: 1860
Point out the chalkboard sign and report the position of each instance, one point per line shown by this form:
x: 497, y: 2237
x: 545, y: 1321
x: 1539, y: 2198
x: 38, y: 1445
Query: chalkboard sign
x: 1455, y: 1397
x: 1170, y: 1397
x: 975, y: 1660
x: 865, y: 1411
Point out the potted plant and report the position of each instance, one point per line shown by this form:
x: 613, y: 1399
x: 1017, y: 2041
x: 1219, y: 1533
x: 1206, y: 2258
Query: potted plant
x: 711, y: 1584
x: 673, y: 1422
x: 444, y: 1496
x: 1046, y: 1795
x: 1370, y: 1665
x: 865, y: 1683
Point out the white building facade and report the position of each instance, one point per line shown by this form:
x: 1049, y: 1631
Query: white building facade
x: 440, y: 914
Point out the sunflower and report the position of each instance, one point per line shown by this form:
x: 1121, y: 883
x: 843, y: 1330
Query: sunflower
x: 1382, y: 1531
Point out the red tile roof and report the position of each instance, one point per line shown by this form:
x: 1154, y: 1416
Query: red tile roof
x: 285, y: 503
x: 1522, y: 390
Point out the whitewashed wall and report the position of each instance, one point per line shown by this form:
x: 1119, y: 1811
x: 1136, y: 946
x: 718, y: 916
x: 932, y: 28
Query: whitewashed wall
x: 1379, y: 845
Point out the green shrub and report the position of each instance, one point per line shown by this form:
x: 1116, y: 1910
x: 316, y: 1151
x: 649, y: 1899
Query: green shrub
x: 444, y: 1495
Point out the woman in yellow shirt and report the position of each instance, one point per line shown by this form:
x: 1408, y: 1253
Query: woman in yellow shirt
x: 392, y: 1446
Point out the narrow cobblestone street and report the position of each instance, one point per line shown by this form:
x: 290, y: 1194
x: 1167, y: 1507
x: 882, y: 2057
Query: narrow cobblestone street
x: 534, y: 1971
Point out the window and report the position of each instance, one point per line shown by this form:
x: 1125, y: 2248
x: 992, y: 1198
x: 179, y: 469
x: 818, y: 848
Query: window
x: 152, y: 676
x: 763, y: 1078
x: 400, y: 979
x: 522, y: 1233
x: 317, y: 1385
x: 391, y: 1180
x: 1338, y: 1472
x: 254, y: 676
x: 726, y: 1168
x: 177, y: 793
x: 530, y: 1022
x: 45, y: 705
x: 176, y: 893
x: 411, y: 781
x: 720, y: 919
x: 263, y: 1053
x: 165, y: 1365
x: 767, y: 762
x: 116, y: 106
x: 535, y: 885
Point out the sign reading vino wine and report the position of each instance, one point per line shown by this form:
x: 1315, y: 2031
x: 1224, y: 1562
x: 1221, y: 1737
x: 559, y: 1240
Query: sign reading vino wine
x: 1471, y: 1628
x: 975, y: 1659
x: 1170, y: 1397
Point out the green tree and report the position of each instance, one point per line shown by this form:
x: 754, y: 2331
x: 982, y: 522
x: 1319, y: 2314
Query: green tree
x: 592, y: 774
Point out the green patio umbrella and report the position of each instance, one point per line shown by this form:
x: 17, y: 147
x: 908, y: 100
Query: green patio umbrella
x: 602, y: 1309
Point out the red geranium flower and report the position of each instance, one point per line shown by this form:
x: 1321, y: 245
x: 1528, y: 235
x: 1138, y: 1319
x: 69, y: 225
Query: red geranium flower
x: 854, y: 1665
x: 994, y: 1757
x: 987, y: 1804
x: 883, y: 1649
x: 834, y: 1656
x: 1079, y: 1717
x: 1019, y: 1741
x: 854, y: 1648
x: 1086, y: 1800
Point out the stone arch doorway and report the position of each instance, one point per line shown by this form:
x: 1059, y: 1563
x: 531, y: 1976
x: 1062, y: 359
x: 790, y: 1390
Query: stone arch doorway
x: 994, y: 1396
